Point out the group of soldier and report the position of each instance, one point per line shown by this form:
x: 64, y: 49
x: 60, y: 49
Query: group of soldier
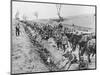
x: 63, y: 36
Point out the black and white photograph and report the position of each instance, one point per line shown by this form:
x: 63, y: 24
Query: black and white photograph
x: 52, y: 37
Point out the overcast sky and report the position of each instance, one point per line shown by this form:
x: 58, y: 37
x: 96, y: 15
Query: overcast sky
x: 49, y: 10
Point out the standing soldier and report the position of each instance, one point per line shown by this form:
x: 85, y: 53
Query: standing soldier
x: 64, y: 41
x: 17, y: 30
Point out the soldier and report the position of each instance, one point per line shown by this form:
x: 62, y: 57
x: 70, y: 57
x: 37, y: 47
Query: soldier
x: 64, y: 41
x: 17, y: 30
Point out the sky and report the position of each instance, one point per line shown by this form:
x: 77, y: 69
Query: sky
x: 46, y: 11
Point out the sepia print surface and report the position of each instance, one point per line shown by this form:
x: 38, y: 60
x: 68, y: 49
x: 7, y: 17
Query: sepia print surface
x: 52, y: 37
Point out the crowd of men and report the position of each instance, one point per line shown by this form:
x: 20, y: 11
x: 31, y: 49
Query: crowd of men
x: 64, y: 37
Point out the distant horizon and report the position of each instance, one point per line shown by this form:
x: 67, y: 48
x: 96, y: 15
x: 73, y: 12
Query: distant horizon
x: 58, y: 17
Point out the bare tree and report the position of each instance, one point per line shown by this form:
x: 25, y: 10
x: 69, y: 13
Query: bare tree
x: 58, y: 6
x: 36, y: 15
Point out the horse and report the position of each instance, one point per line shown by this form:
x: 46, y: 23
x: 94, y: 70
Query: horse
x: 87, y: 46
x: 74, y: 40
x: 91, y: 49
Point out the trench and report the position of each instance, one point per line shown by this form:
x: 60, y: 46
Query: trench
x: 42, y: 52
